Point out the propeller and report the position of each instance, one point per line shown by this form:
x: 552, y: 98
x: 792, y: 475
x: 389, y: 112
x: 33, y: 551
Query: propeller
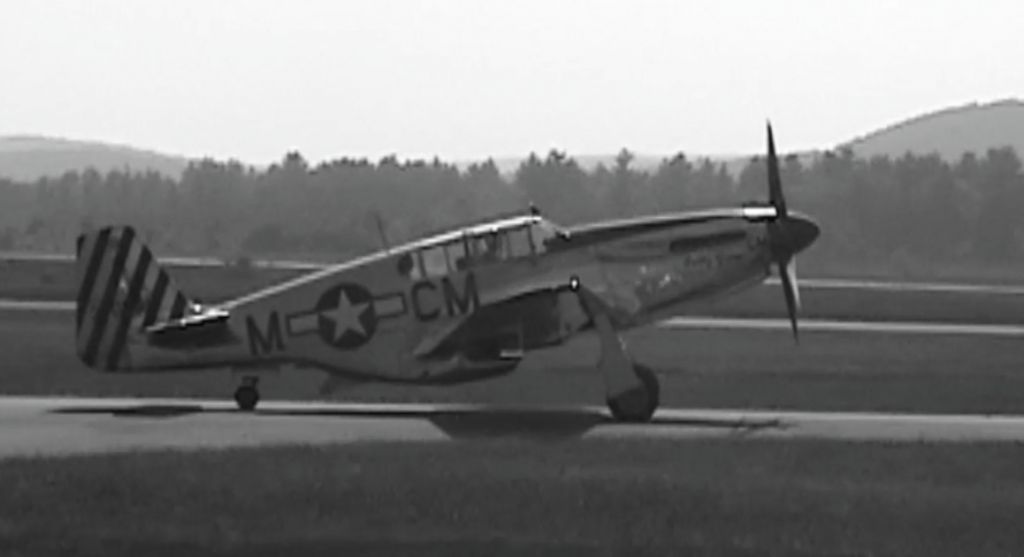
x: 784, y: 245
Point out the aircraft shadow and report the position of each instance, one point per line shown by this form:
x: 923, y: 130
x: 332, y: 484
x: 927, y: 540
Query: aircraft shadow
x: 136, y: 411
x: 539, y: 423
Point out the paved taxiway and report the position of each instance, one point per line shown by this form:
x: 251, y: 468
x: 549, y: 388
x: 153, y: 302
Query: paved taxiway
x: 847, y: 326
x: 56, y: 426
x: 754, y: 324
x: 826, y: 283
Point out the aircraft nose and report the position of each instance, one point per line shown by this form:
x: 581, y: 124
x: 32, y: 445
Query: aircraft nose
x: 802, y: 232
x: 796, y: 233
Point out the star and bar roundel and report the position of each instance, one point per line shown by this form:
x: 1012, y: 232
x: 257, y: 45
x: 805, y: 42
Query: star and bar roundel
x: 346, y: 315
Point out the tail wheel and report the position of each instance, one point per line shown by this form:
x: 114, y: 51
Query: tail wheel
x: 638, y: 405
x: 247, y: 397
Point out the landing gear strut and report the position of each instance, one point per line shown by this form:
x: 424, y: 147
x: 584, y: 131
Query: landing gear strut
x: 631, y: 390
x: 247, y: 395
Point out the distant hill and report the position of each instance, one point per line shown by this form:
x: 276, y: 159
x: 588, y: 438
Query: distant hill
x: 950, y: 132
x: 26, y: 158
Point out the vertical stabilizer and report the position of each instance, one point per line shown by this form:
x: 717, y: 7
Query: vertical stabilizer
x: 121, y: 291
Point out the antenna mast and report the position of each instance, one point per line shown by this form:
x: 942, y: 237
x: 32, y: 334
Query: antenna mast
x: 380, y: 230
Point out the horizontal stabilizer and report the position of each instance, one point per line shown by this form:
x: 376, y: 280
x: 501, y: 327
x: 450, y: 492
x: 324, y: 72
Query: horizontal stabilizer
x: 203, y: 330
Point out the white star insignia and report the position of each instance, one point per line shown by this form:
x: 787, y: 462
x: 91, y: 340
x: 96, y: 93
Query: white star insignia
x: 346, y: 316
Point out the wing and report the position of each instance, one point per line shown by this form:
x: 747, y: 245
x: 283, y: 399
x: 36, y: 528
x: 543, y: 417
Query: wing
x: 518, y: 320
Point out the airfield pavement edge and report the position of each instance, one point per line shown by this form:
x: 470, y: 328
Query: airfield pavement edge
x: 60, y: 426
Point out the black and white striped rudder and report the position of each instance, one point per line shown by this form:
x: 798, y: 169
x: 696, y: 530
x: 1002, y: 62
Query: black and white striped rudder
x: 121, y: 290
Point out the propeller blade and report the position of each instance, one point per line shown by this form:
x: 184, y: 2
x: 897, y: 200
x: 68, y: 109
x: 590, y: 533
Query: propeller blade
x: 782, y: 242
x: 791, y: 271
x: 787, y: 272
x: 775, y: 196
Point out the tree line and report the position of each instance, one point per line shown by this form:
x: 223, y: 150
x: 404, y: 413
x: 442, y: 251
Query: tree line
x: 904, y: 211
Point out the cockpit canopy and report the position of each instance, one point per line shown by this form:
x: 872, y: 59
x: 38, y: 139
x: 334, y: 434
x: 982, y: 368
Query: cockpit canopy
x: 483, y: 244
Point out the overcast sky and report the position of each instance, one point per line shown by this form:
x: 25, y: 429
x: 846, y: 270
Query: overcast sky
x: 252, y: 79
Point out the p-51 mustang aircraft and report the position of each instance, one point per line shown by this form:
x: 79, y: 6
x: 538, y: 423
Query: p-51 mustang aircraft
x: 456, y: 307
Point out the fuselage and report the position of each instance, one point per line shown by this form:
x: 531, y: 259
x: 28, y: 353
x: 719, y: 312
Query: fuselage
x: 461, y: 305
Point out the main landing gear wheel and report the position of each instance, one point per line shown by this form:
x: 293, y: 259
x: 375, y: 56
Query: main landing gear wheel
x: 631, y: 389
x: 247, y: 395
x: 639, y: 404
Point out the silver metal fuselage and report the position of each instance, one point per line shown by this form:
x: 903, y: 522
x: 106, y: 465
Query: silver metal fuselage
x: 369, y: 319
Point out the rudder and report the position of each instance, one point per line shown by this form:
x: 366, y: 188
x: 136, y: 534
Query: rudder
x: 121, y: 289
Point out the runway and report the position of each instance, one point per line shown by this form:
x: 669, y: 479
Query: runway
x: 847, y: 326
x: 699, y: 322
x: 63, y: 426
x: 909, y: 286
x: 810, y: 283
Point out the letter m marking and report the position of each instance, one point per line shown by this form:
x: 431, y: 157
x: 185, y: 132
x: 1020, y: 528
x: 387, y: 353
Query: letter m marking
x: 260, y: 343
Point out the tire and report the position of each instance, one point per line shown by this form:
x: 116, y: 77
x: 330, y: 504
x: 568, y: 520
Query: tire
x: 247, y: 397
x: 638, y: 405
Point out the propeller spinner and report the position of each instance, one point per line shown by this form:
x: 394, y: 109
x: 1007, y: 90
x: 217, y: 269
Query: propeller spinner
x: 787, y: 236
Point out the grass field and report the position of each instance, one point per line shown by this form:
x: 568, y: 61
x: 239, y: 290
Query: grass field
x: 56, y: 281
x: 764, y: 369
x: 868, y: 305
x: 514, y: 496
x: 525, y: 498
